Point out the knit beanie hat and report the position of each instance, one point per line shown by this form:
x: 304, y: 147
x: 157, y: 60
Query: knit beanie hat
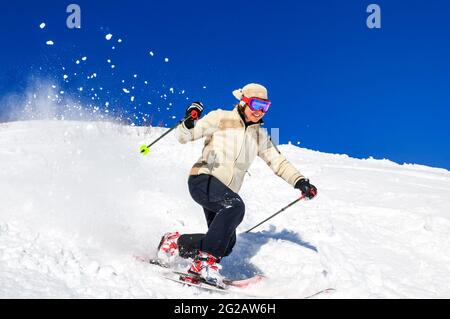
x: 251, y: 90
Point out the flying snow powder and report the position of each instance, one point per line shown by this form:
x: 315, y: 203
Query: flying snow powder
x: 42, y: 25
x: 50, y: 42
x: 108, y: 36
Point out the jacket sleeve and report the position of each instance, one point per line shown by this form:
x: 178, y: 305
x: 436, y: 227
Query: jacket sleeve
x: 275, y: 160
x: 205, y: 126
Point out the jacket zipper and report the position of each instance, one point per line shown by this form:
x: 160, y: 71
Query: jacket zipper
x: 240, y: 151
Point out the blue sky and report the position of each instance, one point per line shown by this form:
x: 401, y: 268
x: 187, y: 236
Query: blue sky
x: 336, y: 85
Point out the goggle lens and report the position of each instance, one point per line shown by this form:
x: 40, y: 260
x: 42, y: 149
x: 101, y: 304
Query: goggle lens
x: 256, y: 104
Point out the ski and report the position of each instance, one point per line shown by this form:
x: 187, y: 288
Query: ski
x: 153, y: 261
x: 185, y: 279
x: 229, y: 285
x: 323, y: 291
x: 190, y: 280
x: 239, y: 283
x: 244, y: 283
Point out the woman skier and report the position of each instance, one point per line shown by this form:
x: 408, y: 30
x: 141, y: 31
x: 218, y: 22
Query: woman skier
x: 232, y: 140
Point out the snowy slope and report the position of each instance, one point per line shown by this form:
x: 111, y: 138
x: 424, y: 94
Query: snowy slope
x: 78, y: 201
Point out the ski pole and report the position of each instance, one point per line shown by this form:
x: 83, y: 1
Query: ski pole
x: 145, y: 149
x: 280, y: 211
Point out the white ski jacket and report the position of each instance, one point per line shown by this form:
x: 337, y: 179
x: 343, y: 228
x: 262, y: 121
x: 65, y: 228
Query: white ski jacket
x: 231, y: 146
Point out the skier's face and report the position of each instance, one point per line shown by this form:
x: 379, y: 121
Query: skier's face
x: 253, y: 116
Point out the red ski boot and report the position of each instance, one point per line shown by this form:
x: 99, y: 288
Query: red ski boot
x: 206, y: 267
x: 168, y: 247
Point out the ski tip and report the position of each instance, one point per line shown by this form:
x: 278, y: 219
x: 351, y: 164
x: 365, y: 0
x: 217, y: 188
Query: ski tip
x: 324, y: 291
x: 243, y: 283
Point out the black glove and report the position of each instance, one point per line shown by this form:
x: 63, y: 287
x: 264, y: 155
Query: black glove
x: 194, y: 111
x: 308, y: 190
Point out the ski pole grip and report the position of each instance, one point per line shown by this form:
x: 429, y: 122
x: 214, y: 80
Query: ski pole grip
x: 194, y: 114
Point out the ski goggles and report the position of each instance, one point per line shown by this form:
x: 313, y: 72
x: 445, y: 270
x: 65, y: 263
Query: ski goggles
x: 257, y: 104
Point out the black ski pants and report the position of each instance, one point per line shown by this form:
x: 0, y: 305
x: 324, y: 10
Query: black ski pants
x: 224, y: 211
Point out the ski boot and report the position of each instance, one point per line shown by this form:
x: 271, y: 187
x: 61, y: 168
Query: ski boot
x: 205, y: 268
x: 168, y: 248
